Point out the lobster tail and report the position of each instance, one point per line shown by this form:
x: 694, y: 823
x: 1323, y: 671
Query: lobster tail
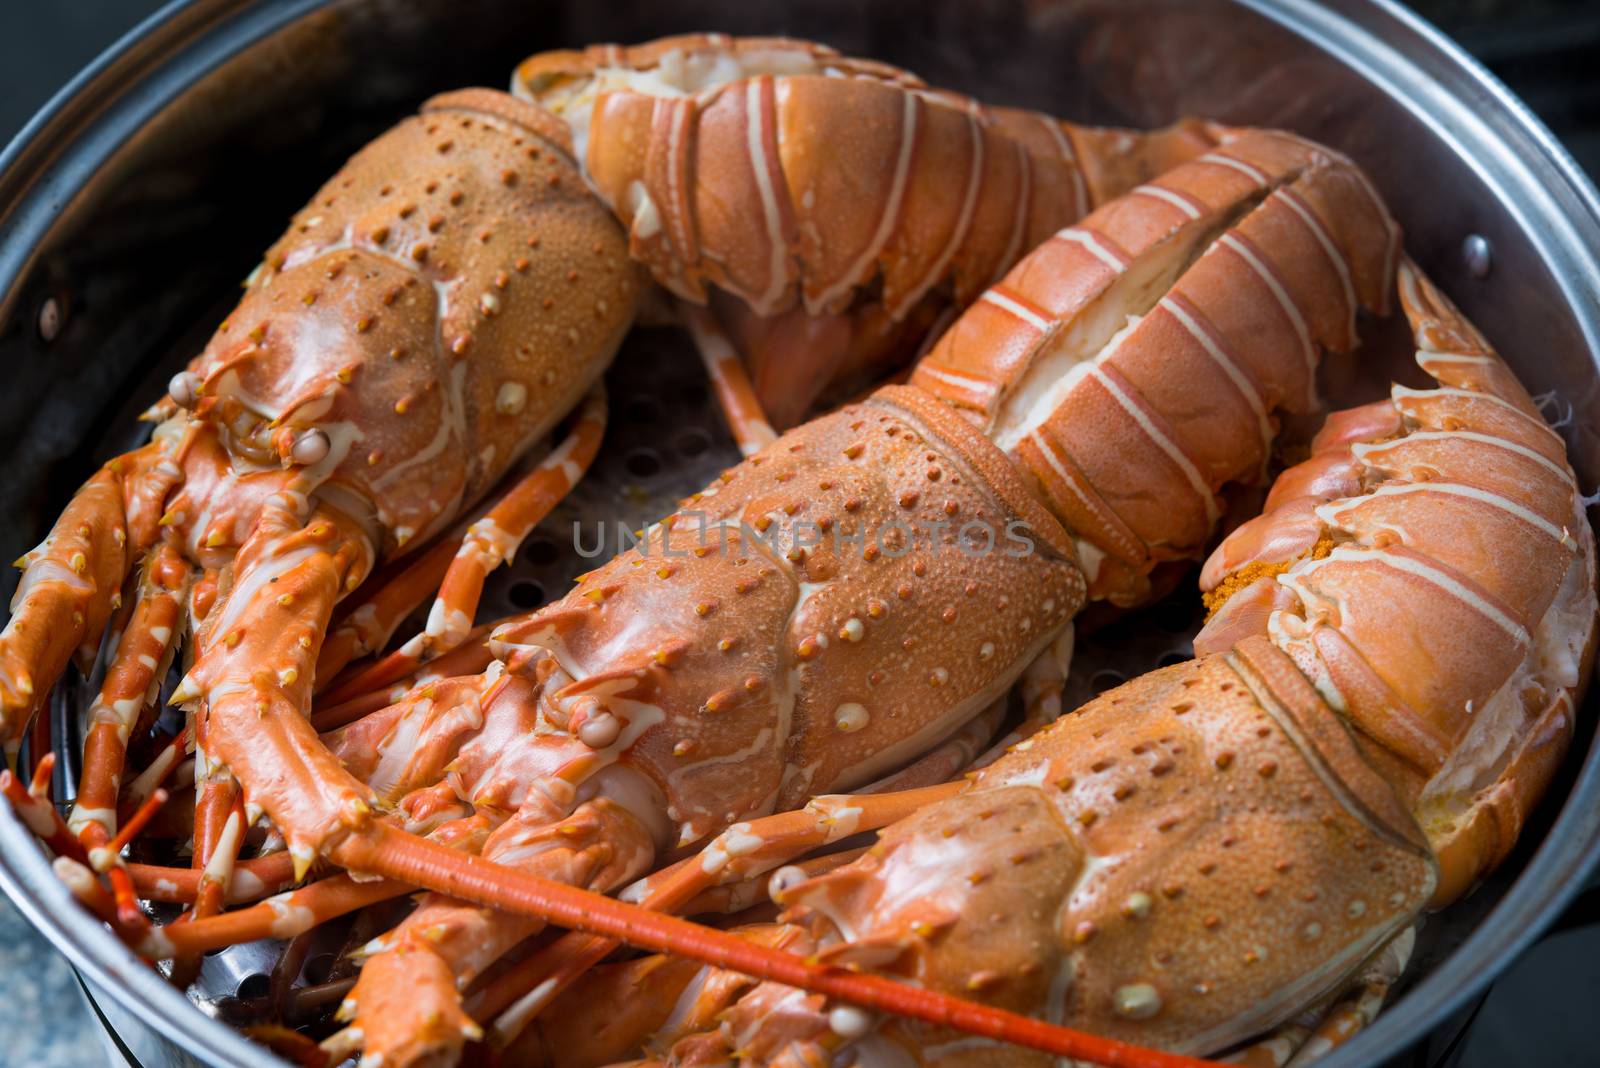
x: 858, y: 179
x: 1432, y: 571
x: 1134, y: 363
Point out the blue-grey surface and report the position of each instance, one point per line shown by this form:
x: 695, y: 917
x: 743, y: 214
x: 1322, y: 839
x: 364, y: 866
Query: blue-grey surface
x: 49, y: 1026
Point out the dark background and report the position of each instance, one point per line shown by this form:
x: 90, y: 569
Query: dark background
x: 1540, y: 1014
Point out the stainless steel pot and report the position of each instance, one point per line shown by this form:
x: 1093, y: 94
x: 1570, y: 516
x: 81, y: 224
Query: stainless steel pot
x: 132, y: 202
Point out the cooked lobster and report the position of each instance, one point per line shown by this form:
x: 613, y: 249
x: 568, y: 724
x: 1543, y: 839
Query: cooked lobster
x: 397, y: 351
x: 296, y: 398
x: 1091, y: 406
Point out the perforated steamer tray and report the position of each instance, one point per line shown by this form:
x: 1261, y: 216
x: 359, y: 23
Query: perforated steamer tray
x: 157, y: 176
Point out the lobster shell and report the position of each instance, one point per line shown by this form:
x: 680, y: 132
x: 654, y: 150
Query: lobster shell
x: 410, y: 310
x: 1143, y: 854
x: 1430, y: 565
x: 757, y: 675
x: 1135, y: 363
x: 846, y: 167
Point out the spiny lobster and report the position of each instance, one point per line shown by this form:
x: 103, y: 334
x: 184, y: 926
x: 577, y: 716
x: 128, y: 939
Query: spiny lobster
x: 398, y: 350
x: 866, y: 246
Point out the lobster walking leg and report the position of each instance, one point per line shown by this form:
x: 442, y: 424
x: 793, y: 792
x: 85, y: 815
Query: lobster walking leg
x: 740, y: 406
x: 406, y: 1003
x: 471, y: 657
x: 1303, y: 1042
x: 488, y: 543
x: 255, y: 673
x: 953, y: 756
x: 132, y: 682
x: 367, y: 626
x: 728, y: 898
x: 155, y: 773
x: 1042, y: 684
x: 33, y: 807
x: 219, y: 827
x: 72, y: 582
x: 282, y: 916
x: 1360, y: 1007
x: 144, y: 650
x: 252, y: 879
x: 742, y: 851
x: 615, y: 1012
x: 293, y: 912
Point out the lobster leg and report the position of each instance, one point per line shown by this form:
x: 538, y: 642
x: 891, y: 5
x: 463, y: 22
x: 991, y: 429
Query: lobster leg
x: 252, y: 879
x: 609, y: 1015
x: 1042, y: 683
x: 291, y: 913
x: 406, y: 1003
x: 282, y: 916
x: 254, y: 671
x: 728, y: 898
x: 401, y: 751
x: 1360, y: 1007
x: 366, y: 627
x: 490, y: 542
x: 950, y: 759
x: 740, y: 406
x: 470, y: 658
x: 743, y: 851
x: 87, y: 889
x: 1301, y: 1042
x: 219, y: 826
x: 72, y: 582
x: 131, y: 684
x: 145, y: 783
x: 35, y: 809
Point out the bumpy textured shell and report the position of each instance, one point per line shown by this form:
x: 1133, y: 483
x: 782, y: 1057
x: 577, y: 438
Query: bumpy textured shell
x: 439, y: 305
x: 848, y: 644
x: 1182, y: 863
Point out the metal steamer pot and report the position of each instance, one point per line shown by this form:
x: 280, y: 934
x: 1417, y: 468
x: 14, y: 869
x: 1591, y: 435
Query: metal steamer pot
x: 133, y: 203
